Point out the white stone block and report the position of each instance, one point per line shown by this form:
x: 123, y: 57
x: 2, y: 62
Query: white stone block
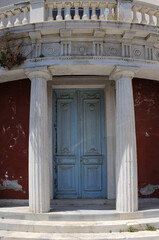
x: 37, y: 11
x: 124, y: 10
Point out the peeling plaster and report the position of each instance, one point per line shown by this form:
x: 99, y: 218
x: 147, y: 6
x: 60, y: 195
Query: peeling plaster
x: 149, y: 189
x: 10, y: 184
x: 147, y: 135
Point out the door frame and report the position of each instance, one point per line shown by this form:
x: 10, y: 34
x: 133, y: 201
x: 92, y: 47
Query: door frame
x: 80, y: 98
x: 85, y: 82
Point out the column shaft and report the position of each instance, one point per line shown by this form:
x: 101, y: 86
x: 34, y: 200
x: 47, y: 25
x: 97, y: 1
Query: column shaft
x: 126, y: 157
x: 39, y: 190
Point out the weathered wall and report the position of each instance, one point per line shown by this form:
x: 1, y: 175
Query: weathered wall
x: 146, y: 98
x: 14, y: 129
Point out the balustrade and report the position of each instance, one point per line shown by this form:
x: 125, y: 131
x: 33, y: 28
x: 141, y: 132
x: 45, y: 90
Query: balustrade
x: 81, y: 10
x: 14, y: 15
x: 104, y: 10
x: 144, y: 13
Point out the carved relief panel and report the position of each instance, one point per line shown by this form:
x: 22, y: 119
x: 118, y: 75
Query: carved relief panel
x: 112, y: 49
x: 51, y: 49
x: 82, y: 49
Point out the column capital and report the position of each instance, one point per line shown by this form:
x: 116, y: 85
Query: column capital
x: 123, y: 72
x: 39, y: 74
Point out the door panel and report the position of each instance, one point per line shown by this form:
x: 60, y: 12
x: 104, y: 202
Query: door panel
x: 92, y: 178
x: 66, y: 178
x: 65, y: 150
x: 92, y: 151
x: 79, y: 144
x: 92, y: 132
x: 65, y: 127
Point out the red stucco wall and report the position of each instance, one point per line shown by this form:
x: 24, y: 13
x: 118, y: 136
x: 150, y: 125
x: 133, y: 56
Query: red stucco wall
x: 14, y: 125
x: 146, y: 99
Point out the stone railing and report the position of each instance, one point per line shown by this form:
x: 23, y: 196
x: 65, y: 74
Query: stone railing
x: 14, y: 15
x: 33, y: 11
x: 84, y: 10
x: 145, y: 13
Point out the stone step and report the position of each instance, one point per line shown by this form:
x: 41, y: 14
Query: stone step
x: 83, y: 202
x: 75, y: 226
x: 143, y: 235
x: 74, y: 214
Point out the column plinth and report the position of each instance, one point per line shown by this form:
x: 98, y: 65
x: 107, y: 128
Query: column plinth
x: 126, y: 156
x: 39, y: 181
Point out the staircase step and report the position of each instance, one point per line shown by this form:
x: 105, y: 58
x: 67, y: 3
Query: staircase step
x: 79, y: 214
x: 75, y: 227
x: 143, y: 235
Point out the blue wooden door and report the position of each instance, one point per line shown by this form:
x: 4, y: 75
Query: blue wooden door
x: 79, y: 144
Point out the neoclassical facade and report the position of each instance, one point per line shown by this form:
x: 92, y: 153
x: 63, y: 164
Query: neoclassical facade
x: 82, y: 58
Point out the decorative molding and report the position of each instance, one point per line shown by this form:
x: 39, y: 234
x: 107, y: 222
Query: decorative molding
x: 149, y: 52
x: 123, y: 72
x: 65, y: 48
x: 90, y: 47
x: 39, y: 74
x: 126, y: 50
x: 98, y: 48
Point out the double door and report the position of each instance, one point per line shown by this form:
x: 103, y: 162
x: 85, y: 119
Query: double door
x: 79, y: 144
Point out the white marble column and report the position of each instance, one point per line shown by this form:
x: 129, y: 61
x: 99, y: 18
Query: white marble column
x: 126, y: 156
x: 39, y: 181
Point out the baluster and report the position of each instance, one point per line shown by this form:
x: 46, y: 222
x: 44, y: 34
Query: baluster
x: 9, y: 15
x: 59, y: 17
x: 2, y: 16
x: 17, y: 21
x: 157, y: 16
x: 68, y: 16
x: 135, y: 19
x: 115, y: 12
x: 143, y: 15
x: 110, y: 14
x: 94, y: 16
x: 50, y: 7
x: 85, y: 14
x: 25, y: 19
x: 102, y: 15
x: 76, y: 17
x: 151, y: 21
